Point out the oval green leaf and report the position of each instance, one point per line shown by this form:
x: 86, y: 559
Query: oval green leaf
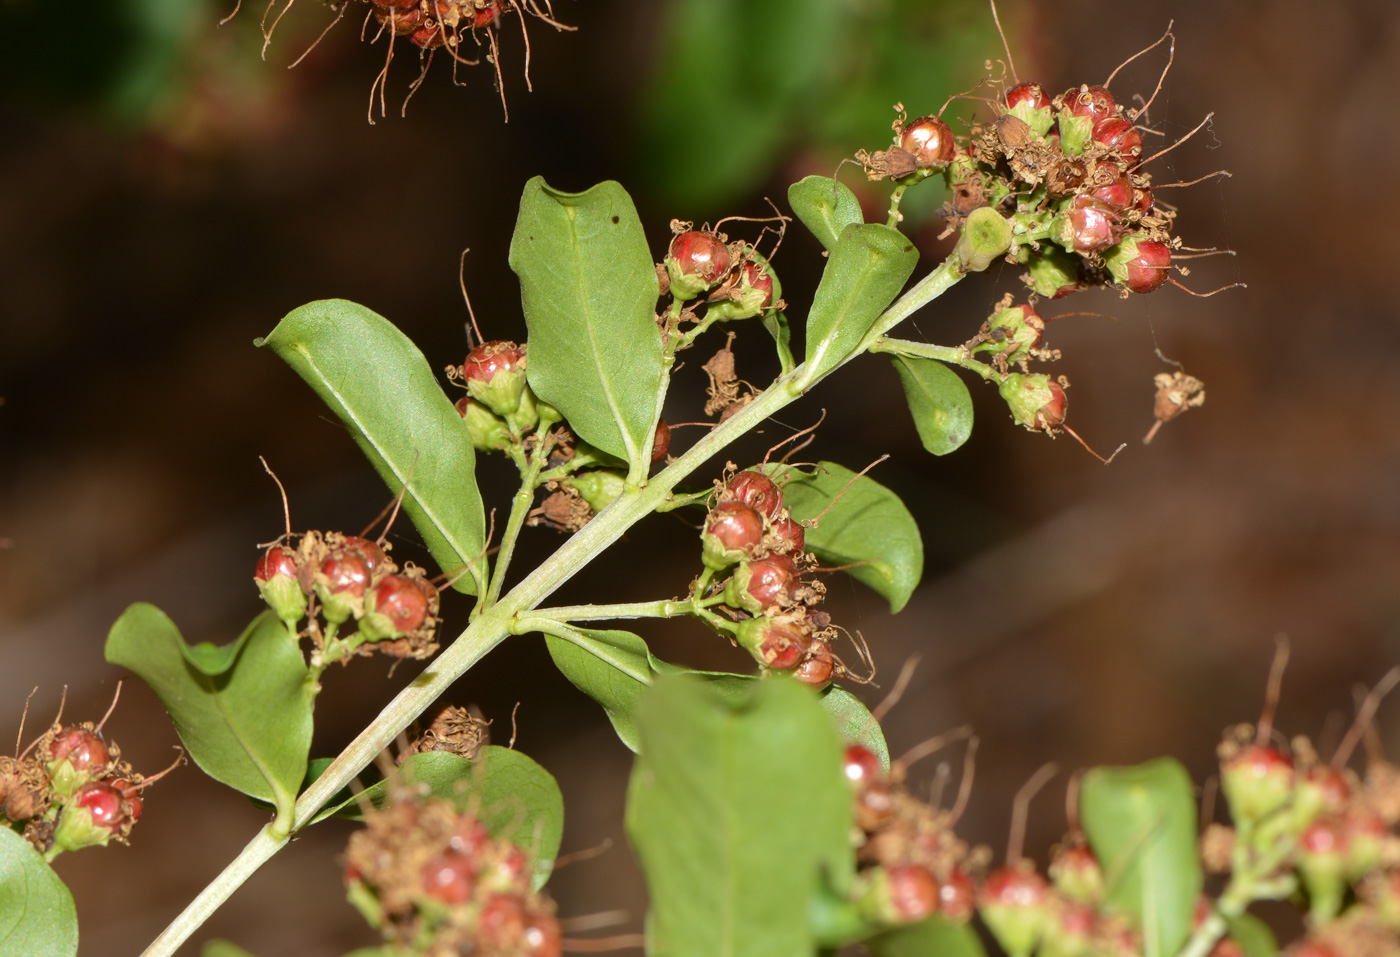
x: 932, y: 936
x: 615, y: 667
x: 868, y: 527
x: 825, y: 206
x: 939, y: 401
x: 1141, y: 823
x: 223, y: 948
x: 867, y: 268
x: 376, y: 380
x: 737, y: 811
x: 588, y: 286
x: 1253, y: 935
x: 37, y: 916
x: 248, y: 725
x: 509, y: 791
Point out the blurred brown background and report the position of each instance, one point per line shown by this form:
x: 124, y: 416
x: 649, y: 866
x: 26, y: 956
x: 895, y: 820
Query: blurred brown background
x: 169, y: 196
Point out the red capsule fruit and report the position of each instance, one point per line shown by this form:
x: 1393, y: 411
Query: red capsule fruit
x: 701, y: 255
x: 819, y: 667
x: 860, y: 765
x: 1150, y: 268
x: 661, y: 442
x: 1116, y: 132
x: 403, y: 601
x: 277, y: 560
x: 930, y: 140
x: 771, y: 581
x: 489, y: 359
x: 449, y: 877
x: 913, y: 892
x: 1094, y: 102
x: 105, y: 804
x: 755, y: 490
x: 371, y: 553
x: 792, y: 533
x: 1032, y: 95
x: 83, y: 749
x: 1090, y: 226
x: 733, y: 531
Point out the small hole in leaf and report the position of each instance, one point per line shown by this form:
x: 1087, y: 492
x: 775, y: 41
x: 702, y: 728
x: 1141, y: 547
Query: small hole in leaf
x: 615, y: 220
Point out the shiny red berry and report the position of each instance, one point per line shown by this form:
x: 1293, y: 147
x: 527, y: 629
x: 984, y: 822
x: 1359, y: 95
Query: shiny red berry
x: 818, y: 668
x: 449, y: 877
x: 860, y: 765
x: 277, y: 560
x: 104, y: 803
x: 1091, y: 226
x: 1094, y: 102
x: 1031, y: 94
x: 755, y: 490
x: 792, y: 533
x: 756, y: 277
x: 661, y: 443
x: 81, y: 748
x: 735, y: 527
x: 771, y: 581
x: 372, y: 554
x: 345, y: 574
x: 1116, y: 132
x: 490, y: 358
x: 913, y: 892
x: 1149, y: 268
x: 700, y: 254
x: 930, y: 140
x: 404, y: 601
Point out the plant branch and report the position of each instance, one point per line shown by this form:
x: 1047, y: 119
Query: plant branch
x: 493, y: 625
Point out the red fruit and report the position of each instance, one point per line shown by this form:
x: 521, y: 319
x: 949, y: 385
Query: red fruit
x: 792, y: 533
x: 930, y: 140
x: 1149, y: 268
x: 429, y: 36
x: 404, y: 601
x: 661, y: 443
x: 1052, y: 413
x: 1311, y: 948
x: 756, y: 277
x: 1092, y: 226
x: 957, y: 897
x: 1092, y: 101
x: 819, y: 667
x: 470, y: 837
x: 1257, y: 781
x: 781, y: 646
x: 134, y: 803
x: 1326, y: 835
x: 735, y: 527
x: 860, y: 765
x: 1118, y: 194
x: 490, y: 358
x: 487, y: 15
x: 913, y: 892
x: 1014, y: 886
x: 345, y: 574
x: 81, y: 748
x: 700, y: 254
x: 1116, y: 132
x: 372, y: 554
x: 105, y: 803
x: 771, y: 581
x: 543, y: 937
x: 449, y: 877
x: 1032, y: 94
x: 277, y: 560
x: 755, y: 490
x: 502, y: 922
x: 874, y: 806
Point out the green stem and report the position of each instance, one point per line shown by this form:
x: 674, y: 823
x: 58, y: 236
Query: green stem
x: 519, y: 508
x: 953, y: 355
x: 639, y: 609
x: 896, y: 195
x: 495, y: 624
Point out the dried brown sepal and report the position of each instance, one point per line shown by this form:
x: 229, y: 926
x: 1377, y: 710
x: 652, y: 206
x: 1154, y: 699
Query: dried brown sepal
x: 459, y: 730
x: 1176, y: 392
x: 563, y: 509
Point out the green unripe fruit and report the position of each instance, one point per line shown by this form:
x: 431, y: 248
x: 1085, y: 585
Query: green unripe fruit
x: 986, y: 236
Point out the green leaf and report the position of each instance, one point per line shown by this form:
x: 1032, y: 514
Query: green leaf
x: 614, y: 667
x: 1141, y: 823
x: 37, y: 917
x: 939, y: 401
x: 866, y: 270
x: 1253, y: 935
x: 507, y: 790
x: 223, y: 948
x: 377, y: 381
x: 868, y: 526
x: 737, y: 811
x: 588, y: 286
x: 247, y: 725
x: 825, y: 206
x: 855, y: 724
x: 928, y: 937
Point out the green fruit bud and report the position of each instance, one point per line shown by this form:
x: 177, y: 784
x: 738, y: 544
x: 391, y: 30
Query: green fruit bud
x: 495, y: 375
x: 986, y: 236
x: 1053, y: 272
x: 489, y: 431
x: 1037, y: 402
x: 599, y: 489
x: 1257, y: 781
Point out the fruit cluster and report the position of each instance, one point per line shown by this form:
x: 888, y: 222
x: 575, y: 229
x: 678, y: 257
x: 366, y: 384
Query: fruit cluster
x: 71, y: 789
x: 340, y: 578
x: 1066, y: 174
x: 503, y: 415
x: 1318, y: 826
x: 436, y: 883
x: 437, y: 23
x: 912, y: 865
x: 767, y: 608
